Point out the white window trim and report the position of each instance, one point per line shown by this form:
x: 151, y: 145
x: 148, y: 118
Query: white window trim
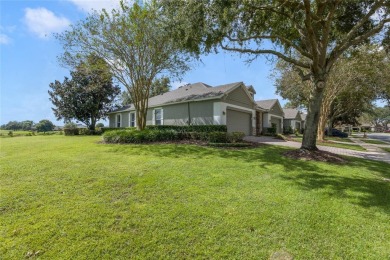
x: 162, y: 115
x: 120, y: 120
x: 135, y: 119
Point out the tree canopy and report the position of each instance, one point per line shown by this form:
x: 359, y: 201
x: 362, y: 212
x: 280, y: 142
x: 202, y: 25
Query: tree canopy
x: 87, y: 96
x: 44, y: 126
x: 319, y: 31
x: 358, y: 78
x: 159, y: 86
x: 135, y: 41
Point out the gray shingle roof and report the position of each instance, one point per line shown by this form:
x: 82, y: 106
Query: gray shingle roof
x: 190, y: 92
x: 290, y: 113
x: 124, y: 108
x: 266, y: 104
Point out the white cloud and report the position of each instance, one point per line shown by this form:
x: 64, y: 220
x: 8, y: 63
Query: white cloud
x: 98, y: 5
x: 43, y: 22
x: 4, y: 39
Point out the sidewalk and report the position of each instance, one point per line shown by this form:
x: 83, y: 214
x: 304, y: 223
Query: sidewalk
x: 372, y: 153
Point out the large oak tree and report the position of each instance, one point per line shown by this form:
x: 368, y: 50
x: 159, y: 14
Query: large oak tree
x: 358, y: 78
x: 319, y: 30
x: 87, y: 96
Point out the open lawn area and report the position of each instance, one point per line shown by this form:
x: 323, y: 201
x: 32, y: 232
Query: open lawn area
x: 386, y: 149
x: 372, y: 141
x: 74, y: 198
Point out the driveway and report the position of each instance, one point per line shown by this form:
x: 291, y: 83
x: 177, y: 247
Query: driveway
x: 373, y: 152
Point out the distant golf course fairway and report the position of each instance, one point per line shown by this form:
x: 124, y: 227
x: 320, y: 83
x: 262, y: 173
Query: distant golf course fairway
x: 75, y: 198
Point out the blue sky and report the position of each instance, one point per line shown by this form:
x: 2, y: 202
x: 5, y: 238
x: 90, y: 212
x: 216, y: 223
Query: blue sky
x: 28, y: 58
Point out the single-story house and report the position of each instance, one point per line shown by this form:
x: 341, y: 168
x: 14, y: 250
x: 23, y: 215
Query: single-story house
x: 303, y: 116
x: 232, y: 105
x: 273, y: 114
x: 292, y: 118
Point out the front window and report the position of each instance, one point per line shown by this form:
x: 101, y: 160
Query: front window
x: 158, y: 116
x: 132, y: 120
x: 118, y: 120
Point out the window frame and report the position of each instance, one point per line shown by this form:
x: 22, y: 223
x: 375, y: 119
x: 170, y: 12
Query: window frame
x: 162, y: 116
x: 120, y: 120
x: 135, y: 119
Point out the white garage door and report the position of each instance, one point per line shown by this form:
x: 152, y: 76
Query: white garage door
x: 237, y: 121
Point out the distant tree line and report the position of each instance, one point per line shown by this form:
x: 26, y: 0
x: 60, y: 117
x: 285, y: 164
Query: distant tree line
x: 28, y: 125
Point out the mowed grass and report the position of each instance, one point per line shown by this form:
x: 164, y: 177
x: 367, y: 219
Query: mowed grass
x: 372, y: 141
x: 73, y: 198
x: 386, y: 149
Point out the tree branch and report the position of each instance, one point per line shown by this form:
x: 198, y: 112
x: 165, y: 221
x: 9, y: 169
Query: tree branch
x: 276, y: 53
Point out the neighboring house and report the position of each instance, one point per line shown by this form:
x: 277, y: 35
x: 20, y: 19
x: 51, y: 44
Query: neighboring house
x: 293, y: 119
x: 303, y: 116
x: 273, y: 114
x: 199, y: 104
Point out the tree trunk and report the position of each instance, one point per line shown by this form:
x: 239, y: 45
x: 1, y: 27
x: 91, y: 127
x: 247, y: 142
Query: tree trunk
x: 312, y: 118
x: 92, y: 125
x: 324, y: 115
x: 321, y: 128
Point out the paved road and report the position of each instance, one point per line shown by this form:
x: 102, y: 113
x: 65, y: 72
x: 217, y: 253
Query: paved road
x: 372, y: 153
x: 380, y: 136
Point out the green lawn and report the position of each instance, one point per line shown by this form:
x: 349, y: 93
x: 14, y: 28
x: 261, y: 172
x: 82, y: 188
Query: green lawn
x: 5, y: 133
x: 371, y: 141
x: 73, y: 198
x: 386, y: 149
x: 355, y: 147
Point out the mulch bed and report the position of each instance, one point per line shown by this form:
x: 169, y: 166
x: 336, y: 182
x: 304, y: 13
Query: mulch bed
x: 320, y: 156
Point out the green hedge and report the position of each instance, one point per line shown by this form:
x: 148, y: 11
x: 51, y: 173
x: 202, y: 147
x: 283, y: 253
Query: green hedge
x: 189, y: 128
x: 71, y: 131
x: 136, y: 136
x: 148, y: 136
x: 105, y: 129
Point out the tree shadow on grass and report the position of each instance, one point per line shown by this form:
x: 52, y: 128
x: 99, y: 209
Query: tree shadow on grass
x: 366, y: 191
x: 266, y: 156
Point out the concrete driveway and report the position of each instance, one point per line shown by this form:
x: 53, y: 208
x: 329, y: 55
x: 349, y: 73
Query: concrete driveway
x: 372, y: 153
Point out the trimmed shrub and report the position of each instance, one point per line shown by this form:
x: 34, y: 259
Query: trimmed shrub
x: 288, y: 130
x: 10, y: 133
x: 105, y: 129
x: 271, y: 130
x: 86, y: 131
x: 189, y: 128
x: 136, y: 136
x: 71, y: 131
x: 236, y: 137
x: 218, y: 137
x: 154, y: 135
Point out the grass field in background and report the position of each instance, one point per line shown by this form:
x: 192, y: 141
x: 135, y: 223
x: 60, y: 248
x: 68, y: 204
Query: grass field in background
x: 74, y: 198
x: 5, y: 133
